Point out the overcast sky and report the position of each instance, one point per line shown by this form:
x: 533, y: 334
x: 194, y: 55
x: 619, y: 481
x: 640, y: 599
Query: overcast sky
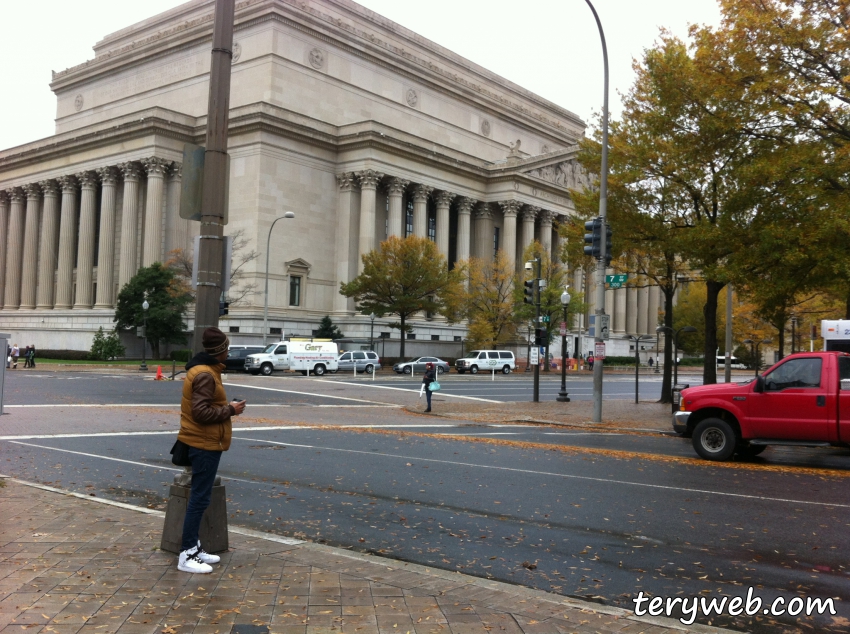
x: 550, y: 47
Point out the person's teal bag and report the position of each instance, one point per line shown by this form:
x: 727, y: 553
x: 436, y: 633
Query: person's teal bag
x: 434, y: 386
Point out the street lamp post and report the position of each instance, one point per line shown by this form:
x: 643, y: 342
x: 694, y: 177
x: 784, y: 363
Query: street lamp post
x: 288, y: 214
x: 562, y: 395
x: 793, y: 333
x: 637, y: 339
x: 754, y: 351
x: 676, y: 347
x: 372, y: 331
x: 144, y: 366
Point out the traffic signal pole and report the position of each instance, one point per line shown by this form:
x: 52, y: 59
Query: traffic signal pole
x: 536, y: 330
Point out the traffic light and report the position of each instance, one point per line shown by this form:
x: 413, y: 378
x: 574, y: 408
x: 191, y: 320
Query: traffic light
x: 222, y: 308
x: 608, y: 232
x: 539, y: 336
x: 528, y: 291
x: 594, y: 239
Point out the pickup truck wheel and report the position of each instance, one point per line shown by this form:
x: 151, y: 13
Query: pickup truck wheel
x: 750, y: 451
x: 714, y: 439
x: 267, y: 369
x: 319, y: 370
x: 506, y: 369
x: 473, y: 369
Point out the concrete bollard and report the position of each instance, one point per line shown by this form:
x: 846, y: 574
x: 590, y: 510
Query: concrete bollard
x: 213, y: 533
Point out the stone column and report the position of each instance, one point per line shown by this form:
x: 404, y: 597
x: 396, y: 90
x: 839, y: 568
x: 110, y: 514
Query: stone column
x: 558, y: 240
x: 395, y: 191
x: 546, y: 231
x: 106, y: 245
x: 642, y: 322
x: 15, y: 250
x: 155, y: 168
x: 67, y: 235
x: 346, y: 238
x: 444, y: 202
x: 85, y: 246
x: 29, y: 269
x: 619, y: 322
x: 464, y: 212
x: 47, y: 251
x: 484, y: 232
x: 529, y: 214
x: 4, y: 240
x: 510, y: 208
x: 129, y: 216
x: 420, y: 210
x: 632, y: 310
x: 368, y: 184
x: 176, y: 228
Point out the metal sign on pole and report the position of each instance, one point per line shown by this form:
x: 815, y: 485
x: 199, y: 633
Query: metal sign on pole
x: 226, y: 261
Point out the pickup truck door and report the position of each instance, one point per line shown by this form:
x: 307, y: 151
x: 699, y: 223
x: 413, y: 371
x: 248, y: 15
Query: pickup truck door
x: 281, y: 358
x: 843, y: 433
x: 794, y: 404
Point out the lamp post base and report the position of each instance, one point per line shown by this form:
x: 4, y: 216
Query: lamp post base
x: 562, y: 397
x: 143, y: 367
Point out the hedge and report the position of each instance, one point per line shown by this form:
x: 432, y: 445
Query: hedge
x: 62, y: 355
x: 181, y: 355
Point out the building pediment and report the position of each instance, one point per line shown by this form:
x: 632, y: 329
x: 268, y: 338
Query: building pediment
x: 298, y: 264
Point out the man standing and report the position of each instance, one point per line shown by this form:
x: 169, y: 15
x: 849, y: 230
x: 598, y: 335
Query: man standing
x: 205, y: 426
x: 16, y: 352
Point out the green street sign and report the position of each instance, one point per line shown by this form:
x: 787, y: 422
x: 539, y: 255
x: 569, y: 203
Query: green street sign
x: 616, y: 281
x: 544, y: 319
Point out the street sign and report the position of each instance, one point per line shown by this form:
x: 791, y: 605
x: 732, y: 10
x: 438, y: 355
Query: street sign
x: 563, y: 329
x: 535, y: 355
x: 604, y: 325
x: 616, y: 281
x: 192, y: 183
x: 544, y: 319
x: 600, y: 350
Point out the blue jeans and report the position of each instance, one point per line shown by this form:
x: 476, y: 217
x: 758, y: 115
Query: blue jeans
x: 204, y: 468
x: 428, y: 396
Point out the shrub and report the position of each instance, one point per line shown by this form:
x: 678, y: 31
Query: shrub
x: 105, y: 347
x: 62, y: 355
x: 181, y: 355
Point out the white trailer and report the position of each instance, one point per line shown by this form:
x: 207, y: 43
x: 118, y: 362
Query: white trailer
x: 307, y: 357
x: 836, y: 334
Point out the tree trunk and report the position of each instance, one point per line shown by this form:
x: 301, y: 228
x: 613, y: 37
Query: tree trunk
x: 667, y: 378
x: 709, y: 368
x: 403, y: 333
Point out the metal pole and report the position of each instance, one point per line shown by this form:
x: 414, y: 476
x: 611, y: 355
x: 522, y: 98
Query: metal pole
x: 603, y: 214
x: 537, y: 326
x: 562, y: 395
x: 144, y: 366
x: 266, y: 293
x: 676, y: 358
x: 728, y: 369
x: 215, y: 174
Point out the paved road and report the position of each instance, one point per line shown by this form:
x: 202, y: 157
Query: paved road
x: 590, y: 515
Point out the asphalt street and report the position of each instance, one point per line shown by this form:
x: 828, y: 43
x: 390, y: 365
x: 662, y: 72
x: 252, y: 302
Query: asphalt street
x: 599, y: 516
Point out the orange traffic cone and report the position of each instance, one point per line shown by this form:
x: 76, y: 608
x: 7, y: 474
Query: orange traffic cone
x: 159, y: 376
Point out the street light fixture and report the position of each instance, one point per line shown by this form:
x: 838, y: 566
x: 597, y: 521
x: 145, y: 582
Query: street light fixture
x: 144, y: 366
x: 288, y: 214
x: 754, y: 351
x: 372, y: 331
x: 676, y: 347
x: 562, y: 395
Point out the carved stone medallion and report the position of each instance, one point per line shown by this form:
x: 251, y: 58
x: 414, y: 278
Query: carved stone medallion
x: 78, y: 103
x: 485, y: 127
x: 317, y: 58
x: 412, y: 98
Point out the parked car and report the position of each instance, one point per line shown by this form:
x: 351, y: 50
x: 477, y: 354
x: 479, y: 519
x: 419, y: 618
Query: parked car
x: 487, y: 361
x: 365, y: 360
x: 418, y: 365
x: 236, y: 356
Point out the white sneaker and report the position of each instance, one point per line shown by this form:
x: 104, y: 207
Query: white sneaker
x: 205, y: 557
x: 190, y: 562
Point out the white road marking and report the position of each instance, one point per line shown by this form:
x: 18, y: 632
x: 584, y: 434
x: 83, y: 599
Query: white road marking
x: 341, y: 398
x: 414, y: 391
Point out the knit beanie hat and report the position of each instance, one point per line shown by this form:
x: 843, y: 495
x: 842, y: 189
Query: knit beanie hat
x: 215, y: 342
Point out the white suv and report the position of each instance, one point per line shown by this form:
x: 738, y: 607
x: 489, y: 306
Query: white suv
x: 486, y: 361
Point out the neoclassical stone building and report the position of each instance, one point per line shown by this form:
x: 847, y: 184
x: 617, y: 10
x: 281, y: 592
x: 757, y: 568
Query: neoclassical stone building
x: 360, y: 126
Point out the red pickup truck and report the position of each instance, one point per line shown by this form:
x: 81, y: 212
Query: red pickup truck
x: 798, y: 401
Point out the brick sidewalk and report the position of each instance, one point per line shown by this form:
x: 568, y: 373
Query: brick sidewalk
x: 73, y: 564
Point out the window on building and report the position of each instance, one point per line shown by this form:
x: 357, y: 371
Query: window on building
x: 234, y: 329
x: 495, y: 240
x: 385, y: 335
x: 457, y: 338
x: 408, y: 217
x: 435, y: 337
x: 275, y: 331
x: 294, y: 290
x: 411, y: 335
x: 432, y: 224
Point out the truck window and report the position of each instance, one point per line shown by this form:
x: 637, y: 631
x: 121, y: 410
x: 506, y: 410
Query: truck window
x: 493, y: 355
x: 506, y: 355
x: 280, y: 350
x: 843, y: 368
x: 345, y: 357
x: 794, y: 373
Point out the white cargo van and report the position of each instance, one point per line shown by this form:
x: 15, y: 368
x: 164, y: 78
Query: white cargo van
x: 316, y: 357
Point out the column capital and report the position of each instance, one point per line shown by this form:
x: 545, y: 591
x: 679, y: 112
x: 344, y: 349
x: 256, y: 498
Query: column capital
x: 4, y: 196
x: 347, y: 181
x: 509, y: 207
x: 131, y: 171
x: 16, y: 195
x: 50, y: 187
x: 155, y: 166
x: 421, y: 192
x: 107, y: 175
x: 444, y: 198
x: 396, y: 186
x: 88, y: 179
x: 546, y: 217
x: 529, y: 212
x: 465, y: 205
x: 68, y: 184
x: 175, y: 171
x: 482, y: 211
x: 369, y: 179
x: 33, y: 190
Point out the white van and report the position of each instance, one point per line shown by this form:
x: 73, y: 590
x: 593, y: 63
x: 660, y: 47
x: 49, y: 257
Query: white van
x: 736, y: 363
x: 306, y: 357
x: 486, y: 361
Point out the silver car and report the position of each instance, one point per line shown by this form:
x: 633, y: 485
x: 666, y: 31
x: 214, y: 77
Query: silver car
x: 364, y: 360
x: 418, y: 365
